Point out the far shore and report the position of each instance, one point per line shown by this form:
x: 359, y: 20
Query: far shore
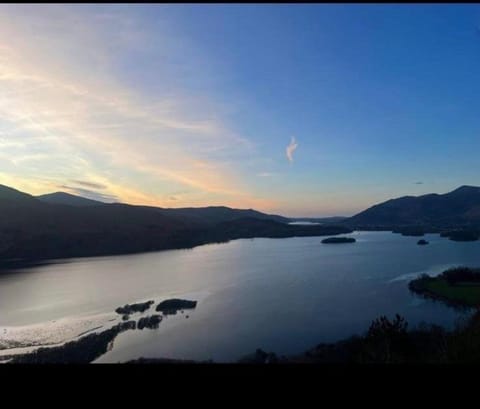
x: 271, y: 230
x: 8, y: 265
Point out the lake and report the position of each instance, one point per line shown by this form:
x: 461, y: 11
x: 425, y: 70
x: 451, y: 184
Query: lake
x: 281, y: 295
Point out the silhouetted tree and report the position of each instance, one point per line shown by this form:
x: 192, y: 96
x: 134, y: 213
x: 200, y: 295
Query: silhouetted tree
x: 387, y: 341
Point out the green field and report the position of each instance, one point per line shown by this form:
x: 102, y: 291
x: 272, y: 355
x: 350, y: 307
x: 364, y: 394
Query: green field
x: 467, y: 293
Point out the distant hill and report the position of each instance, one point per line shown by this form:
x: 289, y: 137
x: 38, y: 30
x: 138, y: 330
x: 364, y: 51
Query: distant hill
x: 34, y: 229
x: 68, y: 199
x: 252, y: 227
x: 218, y: 214
x: 12, y: 195
x: 333, y: 219
x: 461, y: 207
x: 200, y: 215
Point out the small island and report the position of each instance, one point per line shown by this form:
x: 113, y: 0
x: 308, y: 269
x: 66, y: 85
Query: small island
x: 131, y: 308
x: 422, y: 242
x: 458, y: 286
x: 336, y: 240
x: 461, y: 235
x: 89, y: 347
x: 151, y: 322
x: 173, y: 305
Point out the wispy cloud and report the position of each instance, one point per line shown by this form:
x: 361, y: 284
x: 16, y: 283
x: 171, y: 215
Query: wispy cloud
x: 89, y: 194
x: 291, y: 149
x: 67, y: 112
x: 265, y: 174
x: 89, y: 184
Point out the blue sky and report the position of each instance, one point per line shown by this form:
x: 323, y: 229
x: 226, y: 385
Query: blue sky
x: 195, y: 105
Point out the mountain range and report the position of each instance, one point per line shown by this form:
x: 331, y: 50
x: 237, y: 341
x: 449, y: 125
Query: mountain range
x: 61, y: 225
x: 68, y: 199
x: 458, y: 208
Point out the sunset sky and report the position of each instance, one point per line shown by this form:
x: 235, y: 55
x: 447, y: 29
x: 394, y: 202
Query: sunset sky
x: 301, y: 110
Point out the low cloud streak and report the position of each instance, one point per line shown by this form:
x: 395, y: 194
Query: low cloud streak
x: 89, y: 184
x: 89, y: 194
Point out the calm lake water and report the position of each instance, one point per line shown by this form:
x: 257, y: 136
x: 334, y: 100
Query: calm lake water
x: 281, y: 295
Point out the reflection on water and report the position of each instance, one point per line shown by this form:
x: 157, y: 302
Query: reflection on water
x: 282, y: 295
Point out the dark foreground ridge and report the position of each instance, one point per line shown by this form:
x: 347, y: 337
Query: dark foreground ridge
x: 165, y: 361
x: 390, y: 342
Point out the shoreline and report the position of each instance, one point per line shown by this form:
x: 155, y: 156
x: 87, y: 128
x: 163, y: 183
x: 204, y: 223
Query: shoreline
x: 19, y: 345
x: 8, y: 266
x: 458, y: 287
x: 81, y: 341
x: 15, y: 339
